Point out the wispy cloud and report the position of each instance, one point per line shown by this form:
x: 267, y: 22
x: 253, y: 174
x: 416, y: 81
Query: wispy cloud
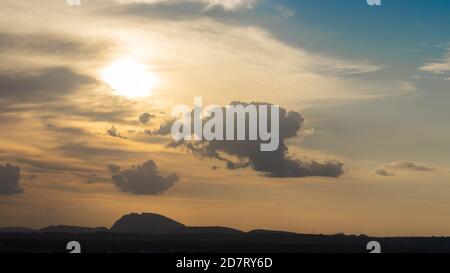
x: 439, y: 67
x: 390, y: 169
x: 225, y: 4
x: 285, y: 11
x: 231, y: 4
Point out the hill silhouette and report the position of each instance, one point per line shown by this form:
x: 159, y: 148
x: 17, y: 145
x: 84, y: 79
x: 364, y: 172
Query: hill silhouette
x: 72, y: 229
x: 133, y: 223
x: 154, y: 233
x: 16, y: 230
x: 146, y: 223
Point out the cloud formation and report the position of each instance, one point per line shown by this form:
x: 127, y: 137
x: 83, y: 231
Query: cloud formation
x: 278, y: 163
x: 146, y: 117
x: 231, y: 4
x: 9, y: 180
x: 50, y: 44
x: 440, y: 67
x: 284, y: 11
x: 38, y: 165
x: 390, y: 168
x: 94, y: 150
x: 225, y: 4
x: 113, y: 132
x: 164, y: 128
x: 41, y: 85
x: 142, y: 179
x: 239, y: 47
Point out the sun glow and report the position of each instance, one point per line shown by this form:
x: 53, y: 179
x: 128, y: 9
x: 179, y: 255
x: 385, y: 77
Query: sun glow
x: 130, y: 79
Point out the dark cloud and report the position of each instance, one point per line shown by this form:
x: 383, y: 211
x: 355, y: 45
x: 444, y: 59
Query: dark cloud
x: 43, y: 166
x: 114, y: 132
x: 389, y: 169
x: 84, y: 148
x: 164, y: 129
x: 92, y: 178
x: 96, y: 107
x: 9, y: 180
x: 383, y: 172
x: 113, y: 113
x: 141, y: 179
x: 41, y: 85
x: 65, y: 130
x: 413, y: 166
x: 52, y: 44
x: 298, y: 168
x: 113, y: 169
x: 277, y: 163
x: 146, y: 117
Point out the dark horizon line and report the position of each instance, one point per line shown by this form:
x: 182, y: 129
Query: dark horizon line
x: 222, y: 229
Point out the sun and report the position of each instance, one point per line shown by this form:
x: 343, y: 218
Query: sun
x: 130, y: 79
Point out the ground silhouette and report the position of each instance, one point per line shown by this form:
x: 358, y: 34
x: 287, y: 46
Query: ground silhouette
x: 153, y: 233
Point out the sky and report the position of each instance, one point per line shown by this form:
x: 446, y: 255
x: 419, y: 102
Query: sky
x: 86, y: 94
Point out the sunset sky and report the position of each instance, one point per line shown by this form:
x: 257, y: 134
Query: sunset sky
x: 88, y: 89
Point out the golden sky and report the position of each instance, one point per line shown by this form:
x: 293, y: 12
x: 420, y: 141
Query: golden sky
x: 74, y: 82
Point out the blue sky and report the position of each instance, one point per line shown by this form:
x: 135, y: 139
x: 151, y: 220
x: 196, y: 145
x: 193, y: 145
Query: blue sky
x: 400, y: 35
x: 398, y: 32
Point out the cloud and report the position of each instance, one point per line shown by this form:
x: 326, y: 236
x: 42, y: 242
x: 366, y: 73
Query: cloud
x: 390, y: 168
x: 141, y: 179
x: 113, y: 132
x: 146, y: 117
x: 284, y: 11
x: 92, y: 107
x: 438, y: 67
x: 66, y: 130
x: 41, y: 85
x: 231, y: 4
x: 383, y: 172
x: 238, y: 48
x: 83, y: 149
x: 266, y: 65
x: 39, y: 165
x: 164, y: 129
x: 51, y: 44
x: 228, y: 5
x: 9, y: 180
x: 108, y: 110
x: 278, y: 163
x: 92, y: 178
